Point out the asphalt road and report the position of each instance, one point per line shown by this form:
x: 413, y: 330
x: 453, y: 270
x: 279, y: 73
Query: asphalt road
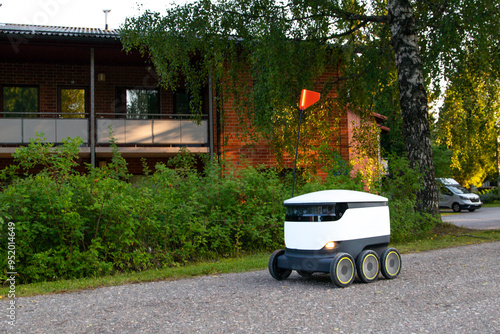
x: 453, y: 290
x: 482, y: 219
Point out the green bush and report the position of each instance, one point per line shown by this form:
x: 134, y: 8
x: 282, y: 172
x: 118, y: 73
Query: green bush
x: 71, y: 225
x: 488, y: 196
x: 401, y: 187
x: 406, y: 224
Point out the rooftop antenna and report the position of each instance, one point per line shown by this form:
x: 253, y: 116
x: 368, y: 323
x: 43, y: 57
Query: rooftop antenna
x: 307, y: 99
x: 106, y: 11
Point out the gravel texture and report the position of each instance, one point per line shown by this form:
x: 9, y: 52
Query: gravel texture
x: 455, y: 290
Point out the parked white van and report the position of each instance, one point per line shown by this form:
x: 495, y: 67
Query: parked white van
x: 453, y: 195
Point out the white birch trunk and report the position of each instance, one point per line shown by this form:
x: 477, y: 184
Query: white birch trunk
x: 413, y: 99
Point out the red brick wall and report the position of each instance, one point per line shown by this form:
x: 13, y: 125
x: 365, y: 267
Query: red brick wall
x: 127, y: 77
x: 240, y: 148
x: 49, y: 77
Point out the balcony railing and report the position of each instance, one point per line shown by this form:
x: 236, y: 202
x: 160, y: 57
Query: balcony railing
x: 54, y: 126
x: 156, y: 130
x: 172, y: 131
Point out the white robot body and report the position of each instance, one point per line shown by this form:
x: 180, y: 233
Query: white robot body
x: 365, y: 216
x: 341, y: 232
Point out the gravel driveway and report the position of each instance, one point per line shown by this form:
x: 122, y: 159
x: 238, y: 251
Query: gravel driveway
x: 455, y: 290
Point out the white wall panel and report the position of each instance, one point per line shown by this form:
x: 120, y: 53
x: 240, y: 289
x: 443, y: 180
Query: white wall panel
x: 117, y: 126
x: 192, y: 133
x: 72, y: 128
x: 11, y: 131
x: 38, y: 125
x: 139, y: 131
x: 167, y: 132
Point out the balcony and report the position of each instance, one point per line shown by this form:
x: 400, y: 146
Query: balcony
x: 21, y: 130
x: 152, y: 131
x: 140, y: 137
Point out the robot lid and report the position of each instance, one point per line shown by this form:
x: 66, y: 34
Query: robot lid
x: 334, y: 196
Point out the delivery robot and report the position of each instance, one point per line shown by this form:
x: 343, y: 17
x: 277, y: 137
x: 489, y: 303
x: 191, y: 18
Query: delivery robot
x: 340, y: 232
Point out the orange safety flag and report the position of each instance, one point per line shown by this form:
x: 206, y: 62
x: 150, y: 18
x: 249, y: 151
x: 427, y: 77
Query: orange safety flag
x: 308, y: 98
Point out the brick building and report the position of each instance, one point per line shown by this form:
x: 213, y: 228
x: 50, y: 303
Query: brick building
x: 69, y: 82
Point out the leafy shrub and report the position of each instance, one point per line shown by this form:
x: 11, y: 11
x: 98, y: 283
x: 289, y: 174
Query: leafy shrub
x: 488, y: 196
x: 402, y: 182
x: 401, y: 187
x: 339, y: 176
x: 70, y: 225
x: 406, y: 224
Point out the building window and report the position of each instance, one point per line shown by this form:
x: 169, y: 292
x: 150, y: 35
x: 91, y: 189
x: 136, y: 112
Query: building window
x: 181, y: 102
x: 137, y: 103
x: 20, y: 101
x: 183, y: 99
x: 72, y: 102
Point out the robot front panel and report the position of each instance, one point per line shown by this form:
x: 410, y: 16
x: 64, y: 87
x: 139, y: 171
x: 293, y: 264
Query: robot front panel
x: 312, y: 229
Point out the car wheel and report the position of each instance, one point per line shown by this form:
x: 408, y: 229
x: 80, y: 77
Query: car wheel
x: 342, y: 270
x: 368, y: 266
x: 456, y: 207
x: 391, y: 263
x: 304, y: 273
x: 276, y: 272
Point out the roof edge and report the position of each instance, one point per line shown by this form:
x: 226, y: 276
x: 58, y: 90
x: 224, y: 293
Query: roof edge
x: 57, y: 31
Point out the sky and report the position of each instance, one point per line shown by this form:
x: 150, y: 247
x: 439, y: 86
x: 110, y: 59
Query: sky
x: 76, y: 13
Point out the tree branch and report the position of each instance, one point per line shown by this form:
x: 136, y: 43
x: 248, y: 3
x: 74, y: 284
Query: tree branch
x: 365, y: 18
x: 438, y: 13
x: 332, y: 13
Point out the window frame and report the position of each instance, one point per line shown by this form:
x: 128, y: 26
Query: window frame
x: 59, y: 100
x: 120, y: 106
x: 16, y: 115
x: 204, y: 94
x: 178, y: 92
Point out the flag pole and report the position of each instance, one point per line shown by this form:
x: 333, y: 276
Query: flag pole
x: 296, y: 151
x: 307, y: 98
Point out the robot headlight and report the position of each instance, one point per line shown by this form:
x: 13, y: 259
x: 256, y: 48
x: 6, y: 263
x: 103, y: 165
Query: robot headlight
x: 330, y: 245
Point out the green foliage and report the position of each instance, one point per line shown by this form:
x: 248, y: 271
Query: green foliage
x: 263, y: 53
x: 456, y: 34
x: 468, y: 126
x: 407, y: 224
x: 401, y: 187
x: 367, y: 153
x: 442, y: 161
x: 488, y: 195
x: 460, y: 48
x: 70, y: 225
x: 402, y: 182
x: 272, y: 41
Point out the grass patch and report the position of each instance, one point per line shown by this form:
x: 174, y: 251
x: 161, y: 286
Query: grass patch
x: 447, y: 235
x: 449, y: 213
x: 442, y: 236
x: 246, y: 263
x: 495, y: 204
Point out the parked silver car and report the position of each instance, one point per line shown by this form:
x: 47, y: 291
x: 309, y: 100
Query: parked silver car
x: 453, y: 195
